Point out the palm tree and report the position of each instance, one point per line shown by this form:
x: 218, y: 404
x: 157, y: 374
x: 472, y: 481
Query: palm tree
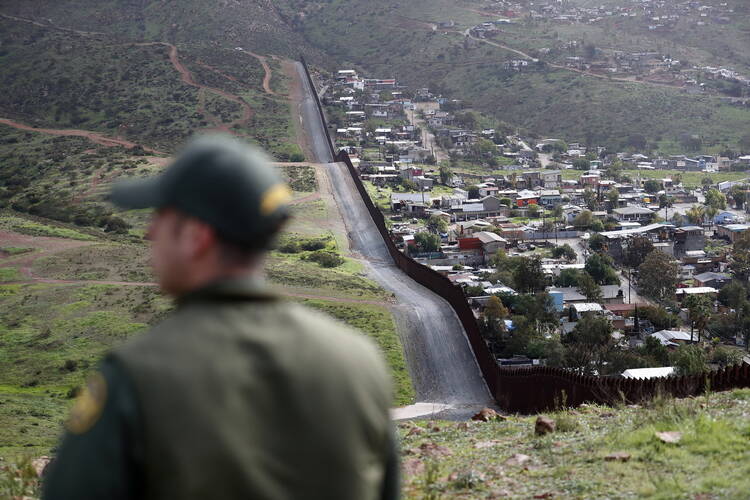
x: 696, y: 213
x: 710, y: 214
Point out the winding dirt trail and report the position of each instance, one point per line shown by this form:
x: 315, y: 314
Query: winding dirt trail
x: 37, y: 23
x: 566, y: 68
x: 187, y: 78
x: 267, y: 69
x: 92, y: 136
x: 309, y: 197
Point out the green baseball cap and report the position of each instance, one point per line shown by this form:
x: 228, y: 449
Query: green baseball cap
x: 218, y: 179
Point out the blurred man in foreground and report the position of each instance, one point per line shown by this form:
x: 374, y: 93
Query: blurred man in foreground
x: 238, y: 394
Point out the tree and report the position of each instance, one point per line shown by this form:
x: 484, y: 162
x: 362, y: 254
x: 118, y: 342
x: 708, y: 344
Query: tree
x: 589, y: 197
x: 534, y: 211
x: 589, y: 344
x: 658, y: 277
x: 445, y: 174
x: 436, y: 224
x: 707, y: 182
x: 557, y: 213
x: 613, y: 195
x: 495, y: 310
x: 726, y: 356
x: 656, y: 353
x: 409, y: 185
x: 492, y: 319
x: 659, y: 317
x: 652, y: 186
x: 739, y: 195
x: 473, y: 192
x: 690, y: 360
x: 588, y: 287
x: 539, y: 309
x: 637, y: 141
x: 484, y: 147
x: 699, y: 311
x: 600, y: 269
x: 565, y: 251
x: 711, y: 214
x: 715, y: 198
x: 528, y: 277
x: 583, y: 219
x: 427, y: 242
x: 696, y: 213
x: 637, y: 250
x: 733, y: 295
x: 581, y: 164
x: 665, y: 201
x: 598, y: 243
x: 739, y: 261
x: 568, y: 277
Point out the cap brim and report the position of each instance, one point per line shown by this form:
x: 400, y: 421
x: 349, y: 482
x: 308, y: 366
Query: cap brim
x: 137, y: 193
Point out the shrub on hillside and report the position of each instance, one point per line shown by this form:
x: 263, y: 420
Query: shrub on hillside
x: 325, y: 259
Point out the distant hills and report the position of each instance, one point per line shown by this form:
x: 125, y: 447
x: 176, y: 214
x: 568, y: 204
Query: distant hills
x: 261, y: 25
x: 436, y: 43
x: 431, y: 43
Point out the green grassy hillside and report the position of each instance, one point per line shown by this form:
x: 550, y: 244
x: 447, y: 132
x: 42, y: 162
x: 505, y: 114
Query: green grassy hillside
x: 403, y: 40
x: 264, y: 26
x: 596, y: 452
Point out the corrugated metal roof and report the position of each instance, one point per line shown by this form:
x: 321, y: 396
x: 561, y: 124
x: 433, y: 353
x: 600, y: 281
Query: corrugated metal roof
x: 646, y: 373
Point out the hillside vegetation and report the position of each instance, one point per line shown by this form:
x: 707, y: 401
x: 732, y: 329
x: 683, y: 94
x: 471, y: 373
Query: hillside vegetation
x: 404, y: 40
x: 264, y: 26
x: 595, y: 452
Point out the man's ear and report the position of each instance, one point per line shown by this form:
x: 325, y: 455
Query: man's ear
x: 199, y: 238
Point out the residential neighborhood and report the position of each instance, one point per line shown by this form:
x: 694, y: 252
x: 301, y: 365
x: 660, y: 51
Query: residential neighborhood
x: 569, y: 234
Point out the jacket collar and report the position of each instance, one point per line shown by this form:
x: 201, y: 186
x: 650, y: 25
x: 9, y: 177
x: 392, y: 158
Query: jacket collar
x: 245, y: 288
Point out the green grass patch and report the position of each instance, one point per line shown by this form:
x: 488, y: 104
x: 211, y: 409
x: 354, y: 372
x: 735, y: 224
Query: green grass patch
x: 377, y: 323
x: 10, y: 274
x: 105, y: 262
x: 32, y: 228
x: 11, y: 251
x: 710, y: 460
x: 51, y: 337
x: 300, y: 179
x: 347, y: 280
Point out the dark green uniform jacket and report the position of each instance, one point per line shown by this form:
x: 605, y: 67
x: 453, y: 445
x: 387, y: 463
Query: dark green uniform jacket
x: 236, y: 395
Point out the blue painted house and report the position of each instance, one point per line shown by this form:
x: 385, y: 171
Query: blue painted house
x: 725, y: 218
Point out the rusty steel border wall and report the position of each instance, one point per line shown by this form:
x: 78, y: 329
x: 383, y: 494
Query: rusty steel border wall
x: 319, y: 106
x: 433, y: 281
x: 534, y: 389
x: 537, y: 389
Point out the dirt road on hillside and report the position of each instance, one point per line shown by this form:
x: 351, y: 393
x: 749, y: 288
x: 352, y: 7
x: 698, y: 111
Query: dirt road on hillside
x: 187, y: 78
x: 94, y: 137
x: 267, y: 69
x: 428, y: 138
x: 440, y: 360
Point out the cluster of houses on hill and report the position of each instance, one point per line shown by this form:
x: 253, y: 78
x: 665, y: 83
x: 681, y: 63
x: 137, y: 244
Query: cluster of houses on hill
x: 391, y: 121
x: 528, y: 208
x: 650, y: 65
x: 655, y: 14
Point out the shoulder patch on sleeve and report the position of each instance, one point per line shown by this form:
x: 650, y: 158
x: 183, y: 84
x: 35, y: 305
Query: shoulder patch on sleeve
x: 89, y: 405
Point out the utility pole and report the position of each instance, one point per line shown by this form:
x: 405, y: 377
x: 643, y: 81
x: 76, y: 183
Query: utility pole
x: 630, y: 276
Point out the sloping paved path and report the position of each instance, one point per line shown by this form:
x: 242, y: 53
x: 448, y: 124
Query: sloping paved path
x: 437, y: 351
